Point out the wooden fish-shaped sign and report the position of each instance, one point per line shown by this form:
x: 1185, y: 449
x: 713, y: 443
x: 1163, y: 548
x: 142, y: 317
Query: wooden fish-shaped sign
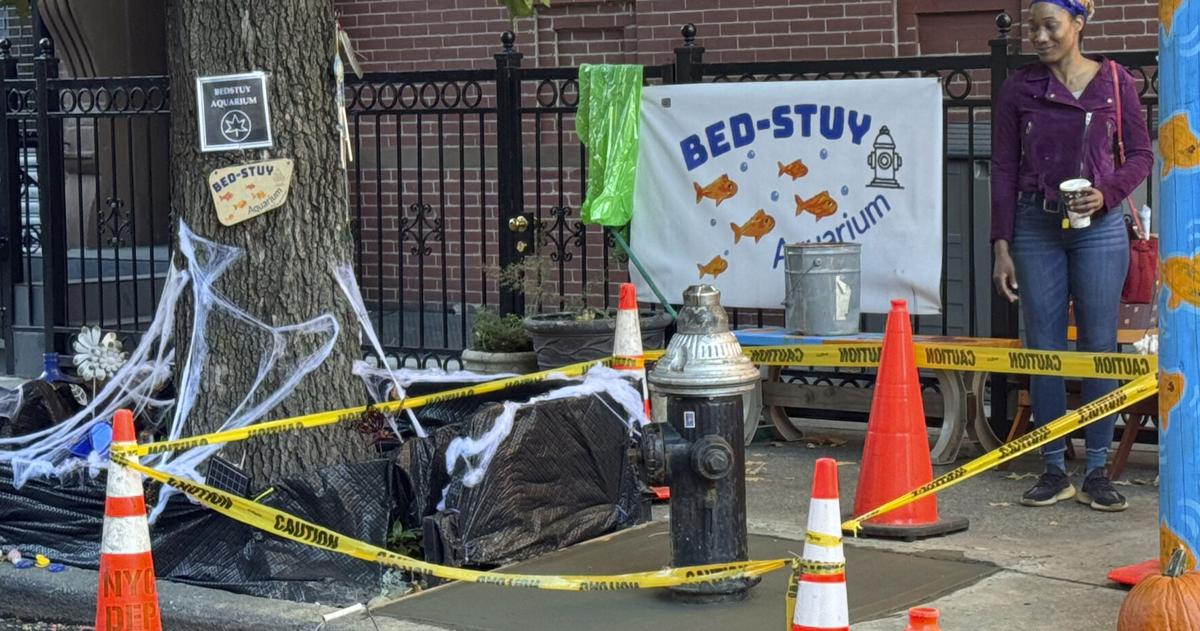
x: 796, y: 169
x: 821, y: 205
x: 757, y: 226
x: 713, y: 267
x: 1178, y: 144
x: 248, y: 190
x: 718, y: 190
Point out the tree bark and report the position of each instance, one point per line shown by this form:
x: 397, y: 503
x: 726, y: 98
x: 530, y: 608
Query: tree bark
x: 283, y: 276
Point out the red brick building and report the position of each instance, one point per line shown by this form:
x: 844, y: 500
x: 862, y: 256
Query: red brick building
x: 400, y: 35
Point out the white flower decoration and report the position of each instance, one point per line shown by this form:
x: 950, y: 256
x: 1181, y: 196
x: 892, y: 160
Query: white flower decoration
x: 97, y: 357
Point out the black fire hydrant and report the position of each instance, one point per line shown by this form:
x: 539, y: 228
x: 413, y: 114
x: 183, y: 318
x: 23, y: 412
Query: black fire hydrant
x: 699, y: 451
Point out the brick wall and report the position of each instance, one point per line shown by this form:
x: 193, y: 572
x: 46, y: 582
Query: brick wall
x: 415, y: 35
x: 20, y: 33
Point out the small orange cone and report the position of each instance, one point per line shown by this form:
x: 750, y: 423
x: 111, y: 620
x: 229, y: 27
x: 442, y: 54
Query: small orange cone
x: 895, y: 457
x: 821, y: 603
x: 128, y: 594
x: 629, y: 355
x: 627, y: 340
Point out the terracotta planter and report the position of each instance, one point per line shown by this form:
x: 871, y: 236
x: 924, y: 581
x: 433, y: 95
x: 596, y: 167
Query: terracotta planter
x: 495, y: 363
x: 559, y: 339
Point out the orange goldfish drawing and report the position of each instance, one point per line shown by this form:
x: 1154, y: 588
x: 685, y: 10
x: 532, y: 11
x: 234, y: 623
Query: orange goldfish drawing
x: 1177, y: 141
x: 757, y: 226
x: 713, y: 267
x: 1168, y: 542
x: 822, y: 205
x: 227, y: 196
x: 250, y: 186
x: 796, y: 169
x: 1169, y: 396
x: 241, y: 204
x: 260, y: 195
x: 1181, y: 275
x: 718, y: 190
x: 1166, y: 12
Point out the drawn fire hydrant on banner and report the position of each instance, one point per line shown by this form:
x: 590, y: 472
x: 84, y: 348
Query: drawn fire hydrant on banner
x: 884, y: 160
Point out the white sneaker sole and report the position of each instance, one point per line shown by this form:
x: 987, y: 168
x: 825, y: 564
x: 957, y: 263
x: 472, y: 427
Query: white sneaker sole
x: 1062, y: 495
x: 1084, y: 498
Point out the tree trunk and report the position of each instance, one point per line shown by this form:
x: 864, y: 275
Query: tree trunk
x: 283, y: 276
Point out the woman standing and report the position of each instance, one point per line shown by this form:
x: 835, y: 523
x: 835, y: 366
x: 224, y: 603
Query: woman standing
x: 1056, y: 120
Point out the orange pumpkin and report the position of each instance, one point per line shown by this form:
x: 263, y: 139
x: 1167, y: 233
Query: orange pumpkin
x: 1170, y: 602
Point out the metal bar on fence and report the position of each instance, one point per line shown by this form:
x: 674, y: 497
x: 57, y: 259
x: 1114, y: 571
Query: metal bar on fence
x: 10, y: 196
x: 1004, y: 314
x: 51, y: 202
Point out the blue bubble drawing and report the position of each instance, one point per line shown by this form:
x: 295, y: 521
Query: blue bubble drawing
x: 712, y: 222
x: 726, y: 252
x: 774, y: 196
x: 744, y: 167
x: 750, y: 155
x: 845, y: 190
x: 824, y: 154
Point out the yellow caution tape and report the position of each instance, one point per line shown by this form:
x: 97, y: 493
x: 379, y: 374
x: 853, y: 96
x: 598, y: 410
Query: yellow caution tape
x: 821, y: 539
x: 1141, y: 388
x: 321, y: 419
x: 792, y: 588
x: 1124, y: 366
x: 296, y: 529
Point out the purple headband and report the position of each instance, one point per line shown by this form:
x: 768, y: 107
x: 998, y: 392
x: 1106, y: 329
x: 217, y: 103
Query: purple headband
x: 1074, y: 7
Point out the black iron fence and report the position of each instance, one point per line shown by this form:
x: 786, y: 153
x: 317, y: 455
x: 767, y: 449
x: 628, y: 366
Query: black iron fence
x: 447, y: 188
x: 84, y: 234
x: 455, y: 175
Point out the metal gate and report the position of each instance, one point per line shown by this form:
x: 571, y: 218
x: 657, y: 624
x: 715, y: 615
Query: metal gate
x: 84, y: 232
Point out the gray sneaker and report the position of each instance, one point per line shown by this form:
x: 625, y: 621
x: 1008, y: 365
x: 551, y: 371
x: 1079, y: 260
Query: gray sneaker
x: 1052, y: 487
x: 1098, y: 492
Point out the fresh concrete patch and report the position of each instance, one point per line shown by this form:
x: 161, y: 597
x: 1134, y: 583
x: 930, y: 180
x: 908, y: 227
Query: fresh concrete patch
x: 894, y: 582
x: 70, y: 597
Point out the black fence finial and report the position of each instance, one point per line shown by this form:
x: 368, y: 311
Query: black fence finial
x: 1004, y: 25
x: 689, y: 34
x: 45, y: 47
x: 5, y: 47
x: 508, y: 38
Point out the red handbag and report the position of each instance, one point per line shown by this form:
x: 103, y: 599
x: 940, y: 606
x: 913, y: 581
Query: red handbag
x: 1143, y: 249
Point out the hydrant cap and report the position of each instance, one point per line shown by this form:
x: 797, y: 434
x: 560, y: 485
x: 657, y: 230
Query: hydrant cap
x: 884, y: 140
x: 703, y: 357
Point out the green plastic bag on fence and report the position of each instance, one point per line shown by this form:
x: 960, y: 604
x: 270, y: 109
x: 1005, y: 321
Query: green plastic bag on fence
x: 609, y: 113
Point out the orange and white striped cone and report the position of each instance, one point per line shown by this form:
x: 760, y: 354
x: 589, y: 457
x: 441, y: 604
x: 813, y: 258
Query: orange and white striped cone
x: 127, y: 594
x: 628, y: 354
x: 821, y: 599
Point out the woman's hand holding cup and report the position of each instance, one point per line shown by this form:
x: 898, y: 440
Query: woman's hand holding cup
x: 1081, y: 200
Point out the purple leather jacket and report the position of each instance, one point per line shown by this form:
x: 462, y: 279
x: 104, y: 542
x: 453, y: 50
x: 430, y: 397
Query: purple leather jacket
x: 1038, y: 139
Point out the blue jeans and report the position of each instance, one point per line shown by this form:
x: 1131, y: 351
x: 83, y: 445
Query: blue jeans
x: 1089, y: 265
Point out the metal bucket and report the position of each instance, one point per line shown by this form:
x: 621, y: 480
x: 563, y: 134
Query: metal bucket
x: 823, y: 283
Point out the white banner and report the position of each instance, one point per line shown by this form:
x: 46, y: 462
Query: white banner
x: 730, y: 172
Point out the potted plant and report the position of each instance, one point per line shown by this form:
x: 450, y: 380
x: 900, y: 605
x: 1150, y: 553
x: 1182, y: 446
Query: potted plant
x: 577, y: 331
x: 499, y: 344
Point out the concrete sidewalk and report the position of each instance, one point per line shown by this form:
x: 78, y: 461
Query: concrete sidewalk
x: 1054, y: 559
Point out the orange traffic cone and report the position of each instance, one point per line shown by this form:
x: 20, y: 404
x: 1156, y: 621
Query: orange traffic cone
x: 629, y: 355
x: 821, y: 603
x: 627, y: 340
x: 128, y: 595
x: 895, y: 457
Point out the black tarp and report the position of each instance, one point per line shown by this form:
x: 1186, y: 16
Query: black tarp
x: 562, y: 476
x: 63, y: 519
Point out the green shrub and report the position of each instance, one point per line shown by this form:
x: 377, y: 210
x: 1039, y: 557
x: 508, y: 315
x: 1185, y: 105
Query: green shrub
x: 500, y: 334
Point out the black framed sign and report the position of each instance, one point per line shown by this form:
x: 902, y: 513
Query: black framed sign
x: 233, y: 112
